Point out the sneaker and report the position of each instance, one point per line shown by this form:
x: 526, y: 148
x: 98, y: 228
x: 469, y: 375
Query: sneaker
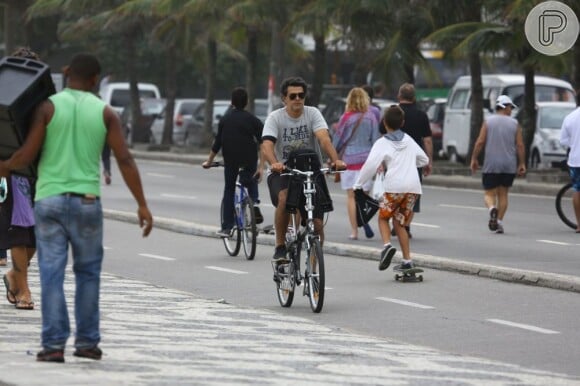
x: 492, y: 220
x: 368, y: 231
x: 258, y: 215
x: 224, y: 233
x: 50, y: 355
x: 408, y: 265
x: 90, y: 353
x: 280, y: 253
x: 499, y: 228
x: 386, y: 257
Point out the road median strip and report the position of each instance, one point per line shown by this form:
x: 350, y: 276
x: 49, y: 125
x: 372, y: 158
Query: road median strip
x: 521, y: 276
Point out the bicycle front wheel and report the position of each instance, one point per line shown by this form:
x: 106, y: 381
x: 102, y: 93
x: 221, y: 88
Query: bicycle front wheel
x: 285, y: 283
x: 315, y: 275
x: 233, y: 242
x: 249, y: 231
x: 565, y: 206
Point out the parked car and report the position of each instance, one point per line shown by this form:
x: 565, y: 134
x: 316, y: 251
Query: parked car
x: 182, y: 115
x: 458, y: 111
x: 545, y: 151
x: 436, y: 113
x: 117, y: 94
x: 195, y: 126
x: 151, y: 109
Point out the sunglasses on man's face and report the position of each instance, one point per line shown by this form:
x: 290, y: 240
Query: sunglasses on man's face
x: 299, y: 95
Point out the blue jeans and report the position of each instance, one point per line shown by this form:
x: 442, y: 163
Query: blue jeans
x: 230, y: 176
x: 61, y: 221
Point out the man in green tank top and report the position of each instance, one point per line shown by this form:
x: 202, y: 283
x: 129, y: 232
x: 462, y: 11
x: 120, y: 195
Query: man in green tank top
x: 69, y: 131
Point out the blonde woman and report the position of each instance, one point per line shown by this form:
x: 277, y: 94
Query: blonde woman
x: 353, y: 138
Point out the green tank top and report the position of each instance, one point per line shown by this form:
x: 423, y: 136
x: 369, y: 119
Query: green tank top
x: 75, y: 136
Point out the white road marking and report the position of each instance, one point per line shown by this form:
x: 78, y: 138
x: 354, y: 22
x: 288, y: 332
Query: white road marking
x: 523, y: 326
x: 106, y: 248
x: 425, y: 225
x: 405, y: 303
x: 168, y: 195
x: 553, y: 242
x: 462, y: 207
x: 161, y: 175
x: 157, y: 257
x: 226, y: 270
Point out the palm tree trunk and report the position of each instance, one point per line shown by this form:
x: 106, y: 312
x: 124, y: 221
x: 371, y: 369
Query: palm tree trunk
x: 319, y: 67
x: 476, y: 102
x: 252, y: 67
x: 209, y: 89
x: 171, y: 92
x: 529, y: 106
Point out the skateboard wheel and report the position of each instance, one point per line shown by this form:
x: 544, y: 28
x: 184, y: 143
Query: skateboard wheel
x: 397, y: 277
x: 420, y: 277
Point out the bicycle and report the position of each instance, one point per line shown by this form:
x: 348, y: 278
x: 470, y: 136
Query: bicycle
x: 564, y: 204
x: 245, y: 230
x: 287, y: 275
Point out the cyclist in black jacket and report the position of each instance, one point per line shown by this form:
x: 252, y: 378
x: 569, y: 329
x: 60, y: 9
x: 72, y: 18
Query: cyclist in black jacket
x: 239, y: 137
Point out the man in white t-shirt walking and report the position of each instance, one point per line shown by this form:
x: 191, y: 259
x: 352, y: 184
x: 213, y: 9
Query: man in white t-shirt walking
x: 289, y: 128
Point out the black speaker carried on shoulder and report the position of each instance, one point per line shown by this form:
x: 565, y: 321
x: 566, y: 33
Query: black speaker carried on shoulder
x: 24, y: 83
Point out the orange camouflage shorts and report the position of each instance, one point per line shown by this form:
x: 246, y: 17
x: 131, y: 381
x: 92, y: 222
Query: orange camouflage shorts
x: 398, y: 206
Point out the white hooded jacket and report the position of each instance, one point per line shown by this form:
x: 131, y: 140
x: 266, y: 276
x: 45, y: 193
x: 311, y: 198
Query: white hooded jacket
x: 402, y: 156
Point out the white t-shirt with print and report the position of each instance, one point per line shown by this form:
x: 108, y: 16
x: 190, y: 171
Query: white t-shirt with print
x: 294, y: 133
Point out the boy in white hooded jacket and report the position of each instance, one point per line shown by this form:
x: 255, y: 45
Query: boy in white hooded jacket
x: 402, y: 156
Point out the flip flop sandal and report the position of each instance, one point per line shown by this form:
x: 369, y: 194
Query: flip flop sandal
x: 24, y: 305
x: 10, y: 296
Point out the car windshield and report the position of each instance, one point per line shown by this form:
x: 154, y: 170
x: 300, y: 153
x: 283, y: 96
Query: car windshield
x: 551, y: 117
x: 121, y: 98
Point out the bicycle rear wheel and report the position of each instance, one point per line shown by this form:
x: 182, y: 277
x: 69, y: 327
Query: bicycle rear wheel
x: 249, y: 232
x: 233, y: 242
x: 315, y: 275
x: 565, y: 207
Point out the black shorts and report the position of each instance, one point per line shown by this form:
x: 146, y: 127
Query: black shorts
x: 493, y: 180
x: 14, y: 236
x: 277, y: 183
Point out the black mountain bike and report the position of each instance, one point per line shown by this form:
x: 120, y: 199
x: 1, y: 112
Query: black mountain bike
x: 287, y: 275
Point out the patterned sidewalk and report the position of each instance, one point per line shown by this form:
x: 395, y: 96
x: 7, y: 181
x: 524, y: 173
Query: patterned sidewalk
x: 159, y: 336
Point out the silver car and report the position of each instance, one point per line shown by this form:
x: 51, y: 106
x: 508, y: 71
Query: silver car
x: 182, y: 115
x: 545, y: 150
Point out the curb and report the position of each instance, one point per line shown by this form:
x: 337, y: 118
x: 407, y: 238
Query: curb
x: 519, y: 276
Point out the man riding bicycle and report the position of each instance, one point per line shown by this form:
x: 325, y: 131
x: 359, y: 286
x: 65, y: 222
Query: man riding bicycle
x: 238, y: 137
x: 289, y: 128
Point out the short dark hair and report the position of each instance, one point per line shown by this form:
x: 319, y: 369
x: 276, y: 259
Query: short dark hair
x: 295, y: 81
x: 84, y: 66
x: 407, y: 92
x: 369, y: 90
x: 394, y: 117
x: 239, y: 98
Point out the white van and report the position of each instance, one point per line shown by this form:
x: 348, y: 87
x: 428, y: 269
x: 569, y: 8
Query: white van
x: 458, y: 111
x: 117, y: 94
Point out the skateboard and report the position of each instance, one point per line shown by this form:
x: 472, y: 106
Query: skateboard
x: 408, y: 274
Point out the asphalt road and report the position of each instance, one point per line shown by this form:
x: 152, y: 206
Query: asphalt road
x: 529, y: 326
x: 452, y: 223
x: 525, y: 325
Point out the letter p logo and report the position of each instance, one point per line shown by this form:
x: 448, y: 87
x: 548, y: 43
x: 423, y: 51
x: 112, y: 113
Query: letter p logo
x: 552, y: 22
x: 552, y: 28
